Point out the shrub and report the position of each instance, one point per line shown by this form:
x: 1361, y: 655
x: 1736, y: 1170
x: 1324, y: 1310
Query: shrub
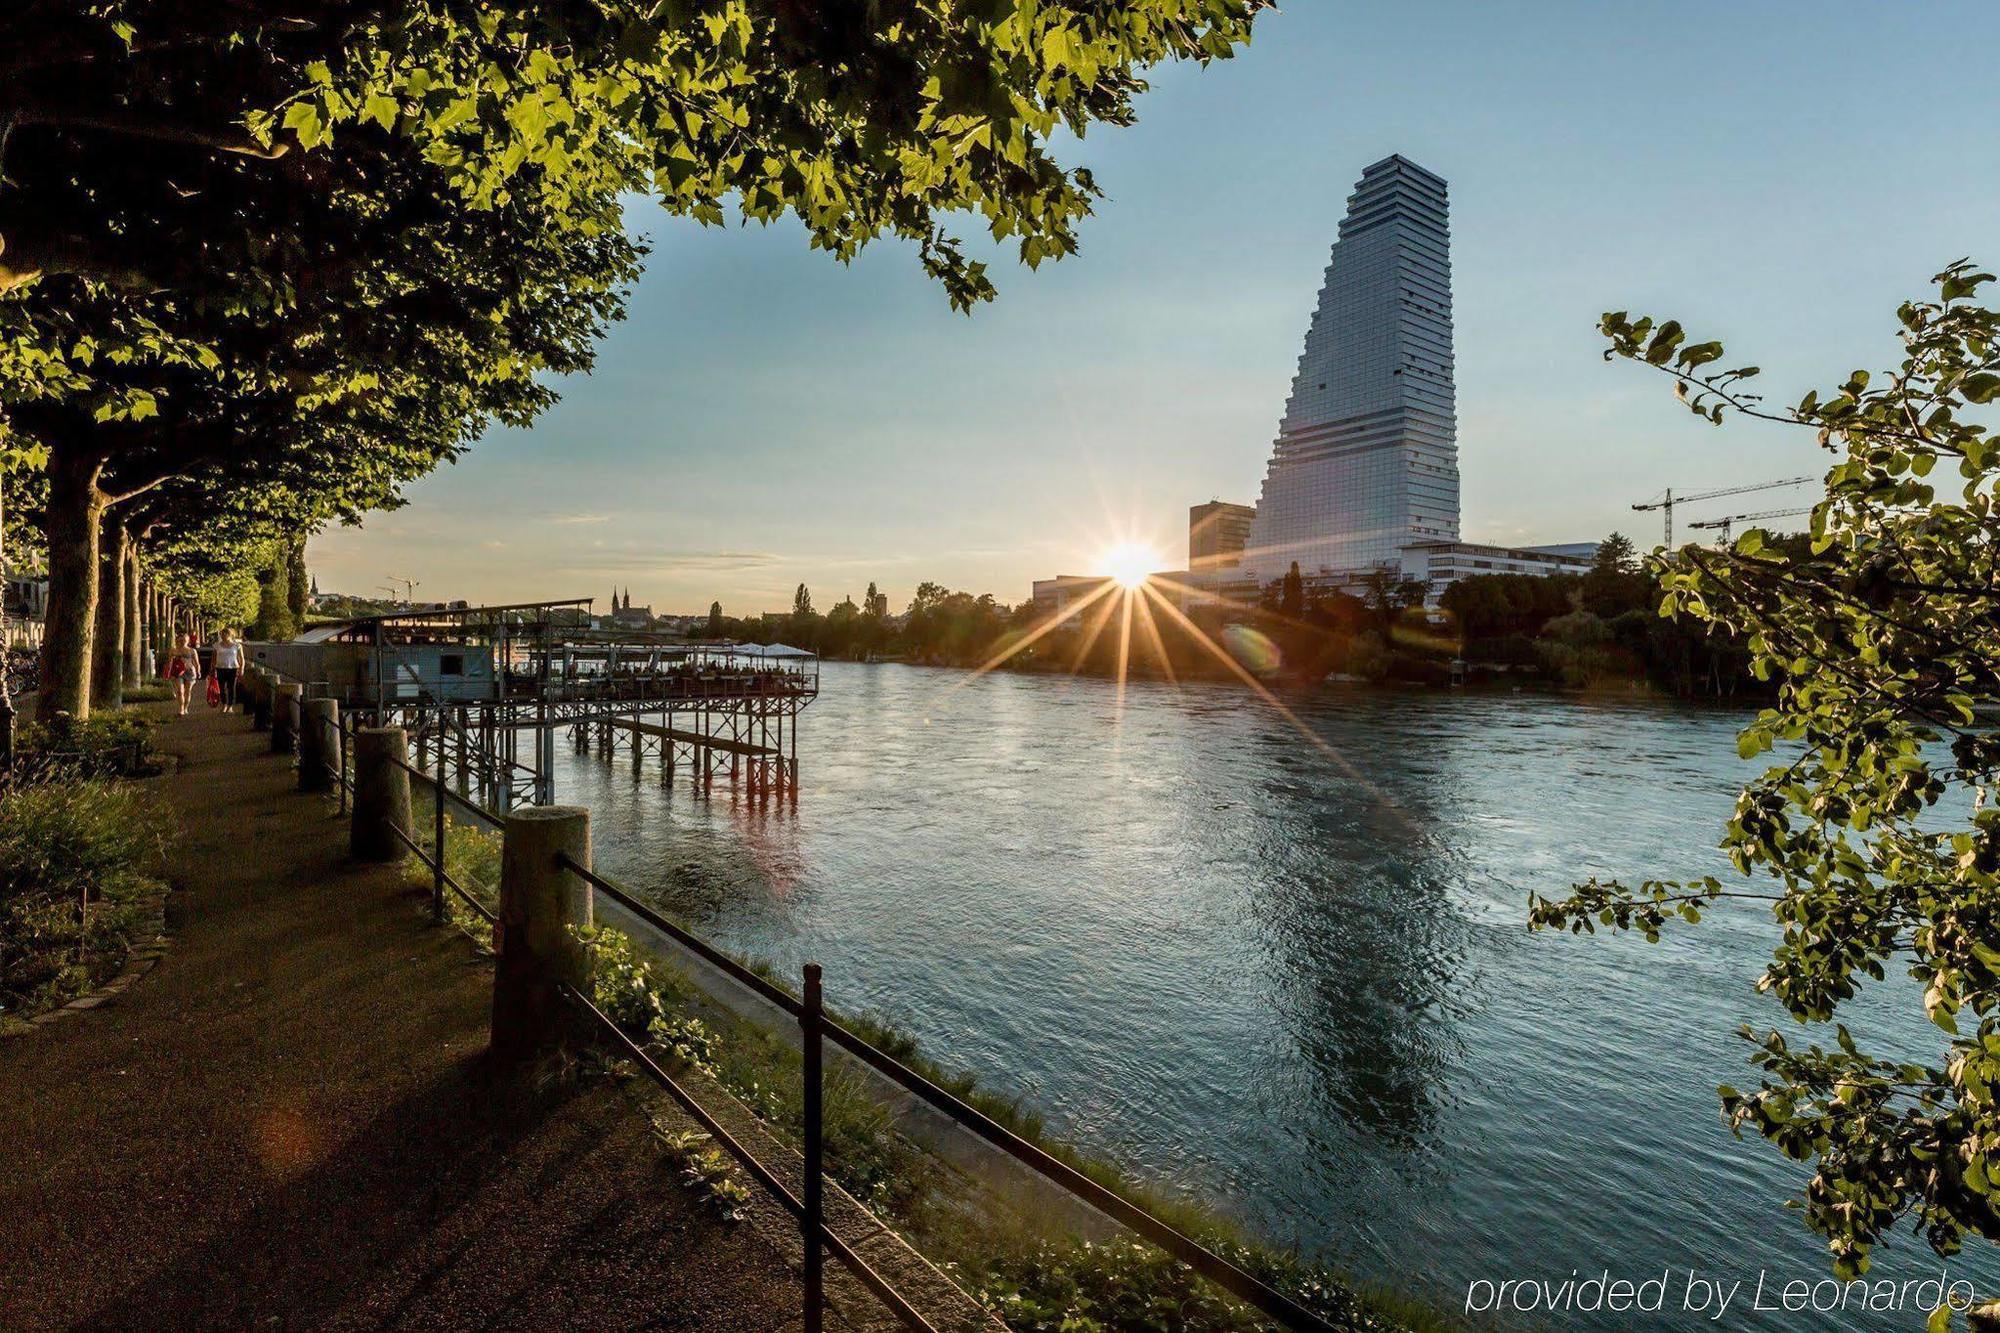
x: 646, y: 999
x: 1128, y: 1284
x: 118, y: 744
x: 74, y: 858
x: 471, y: 855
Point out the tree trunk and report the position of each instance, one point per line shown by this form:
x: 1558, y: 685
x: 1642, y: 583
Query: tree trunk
x: 135, y: 621
x: 76, y: 503
x: 163, y: 630
x: 107, y: 654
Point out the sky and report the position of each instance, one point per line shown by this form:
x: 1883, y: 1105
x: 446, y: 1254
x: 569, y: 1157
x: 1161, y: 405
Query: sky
x: 1779, y: 175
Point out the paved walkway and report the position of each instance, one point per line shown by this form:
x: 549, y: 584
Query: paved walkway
x: 289, y: 1121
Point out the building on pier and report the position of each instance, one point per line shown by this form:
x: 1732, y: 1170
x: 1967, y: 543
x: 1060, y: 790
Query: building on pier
x: 466, y: 681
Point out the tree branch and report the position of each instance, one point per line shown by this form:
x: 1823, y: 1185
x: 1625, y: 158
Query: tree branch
x: 237, y: 141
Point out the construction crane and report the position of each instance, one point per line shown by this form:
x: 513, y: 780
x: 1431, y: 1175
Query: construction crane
x: 409, y: 588
x: 1669, y: 500
x: 1726, y: 523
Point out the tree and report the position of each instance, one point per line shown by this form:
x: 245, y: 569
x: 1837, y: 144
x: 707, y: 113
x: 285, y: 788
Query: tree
x: 802, y: 601
x: 1292, y: 600
x: 1872, y: 834
x: 274, y: 621
x: 1615, y: 584
x: 317, y: 411
x: 1410, y: 594
x: 1614, y: 555
x: 183, y: 185
x: 296, y: 583
x: 1385, y: 595
x: 715, y: 620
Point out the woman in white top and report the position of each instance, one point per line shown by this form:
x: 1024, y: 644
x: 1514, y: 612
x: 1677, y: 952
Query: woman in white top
x: 228, y: 663
x: 184, y: 670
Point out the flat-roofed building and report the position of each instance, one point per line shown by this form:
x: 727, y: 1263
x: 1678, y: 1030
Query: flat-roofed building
x: 1217, y: 533
x: 1441, y: 564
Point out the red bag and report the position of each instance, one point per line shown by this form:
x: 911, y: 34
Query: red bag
x: 176, y: 667
x: 214, y: 692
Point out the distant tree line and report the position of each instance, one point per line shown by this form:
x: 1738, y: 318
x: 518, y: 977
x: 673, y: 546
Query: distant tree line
x: 939, y: 627
x: 1597, y: 629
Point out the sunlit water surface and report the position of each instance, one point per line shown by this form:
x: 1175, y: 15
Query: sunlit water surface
x: 1292, y: 981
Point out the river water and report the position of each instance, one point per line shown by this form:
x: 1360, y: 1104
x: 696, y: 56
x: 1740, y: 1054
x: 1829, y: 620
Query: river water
x: 1292, y: 978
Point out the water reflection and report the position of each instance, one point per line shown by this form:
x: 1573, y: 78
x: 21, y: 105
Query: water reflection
x: 1368, y: 952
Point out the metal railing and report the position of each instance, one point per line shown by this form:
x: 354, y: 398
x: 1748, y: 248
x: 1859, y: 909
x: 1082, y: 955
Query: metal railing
x: 816, y: 1027
x: 813, y: 1023
x: 441, y: 876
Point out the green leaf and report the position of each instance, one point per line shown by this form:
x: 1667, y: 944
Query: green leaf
x: 302, y: 119
x: 380, y: 108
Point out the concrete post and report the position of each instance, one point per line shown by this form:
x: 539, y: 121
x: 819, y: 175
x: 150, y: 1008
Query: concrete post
x: 285, y: 717
x: 260, y: 700
x: 540, y: 903
x: 381, y: 794
x: 317, y: 737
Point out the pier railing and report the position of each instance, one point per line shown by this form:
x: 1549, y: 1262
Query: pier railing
x: 816, y: 1028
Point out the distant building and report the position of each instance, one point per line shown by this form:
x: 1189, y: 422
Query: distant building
x: 624, y: 615
x: 1441, y: 564
x: 1058, y: 595
x: 633, y: 616
x: 1055, y: 596
x: 1366, y: 459
x: 24, y: 608
x: 1217, y: 532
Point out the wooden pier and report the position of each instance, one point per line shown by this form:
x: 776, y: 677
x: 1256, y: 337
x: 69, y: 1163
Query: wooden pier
x: 468, y: 683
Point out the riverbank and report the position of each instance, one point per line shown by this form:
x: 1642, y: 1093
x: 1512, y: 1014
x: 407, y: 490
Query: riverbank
x: 289, y: 1119
x: 1034, y: 1256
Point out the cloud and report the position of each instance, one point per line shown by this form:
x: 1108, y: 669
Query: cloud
x: 651, y: 562
x: 572, y: 520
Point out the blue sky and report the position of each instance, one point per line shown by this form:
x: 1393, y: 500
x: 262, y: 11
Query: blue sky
x: 1779, y: 175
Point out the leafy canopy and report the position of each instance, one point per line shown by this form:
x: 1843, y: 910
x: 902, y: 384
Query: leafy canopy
x: 1874, y: 829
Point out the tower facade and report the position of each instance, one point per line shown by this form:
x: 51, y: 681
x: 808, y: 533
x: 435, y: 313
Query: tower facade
x: 1366, y: 459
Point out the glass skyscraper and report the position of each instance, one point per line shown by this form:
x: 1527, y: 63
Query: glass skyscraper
x: 1366, y: 460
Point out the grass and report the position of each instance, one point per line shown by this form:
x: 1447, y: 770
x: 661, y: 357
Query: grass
x: 76, y: 858
x: 471, y: 855
x: 1032, y: 1275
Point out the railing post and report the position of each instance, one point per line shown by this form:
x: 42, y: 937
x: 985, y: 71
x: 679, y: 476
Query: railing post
x: 538, y: 951
x: 381, y: 794
x: 315, y: 764
x: 813, y: 1222
x: 260, y: 700
x: 285, y: 718
x: 246, y: 691
x: 340, y: 756
x: 437, y: 847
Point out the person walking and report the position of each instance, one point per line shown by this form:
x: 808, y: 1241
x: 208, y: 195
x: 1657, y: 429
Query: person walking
x: 228, y: 665
x: 184, y: 670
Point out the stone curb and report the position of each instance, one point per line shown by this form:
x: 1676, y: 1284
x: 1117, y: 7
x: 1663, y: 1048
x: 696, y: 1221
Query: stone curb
x: 151, y: 944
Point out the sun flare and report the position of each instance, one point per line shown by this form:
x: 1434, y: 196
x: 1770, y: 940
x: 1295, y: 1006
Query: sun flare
x: 1129, y: 564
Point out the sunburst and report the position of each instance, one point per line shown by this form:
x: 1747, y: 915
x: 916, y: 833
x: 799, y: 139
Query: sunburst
x: 1132, y: 592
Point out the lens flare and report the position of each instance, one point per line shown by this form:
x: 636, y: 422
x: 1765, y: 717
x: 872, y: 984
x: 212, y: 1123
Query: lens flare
x: 1253, y: 648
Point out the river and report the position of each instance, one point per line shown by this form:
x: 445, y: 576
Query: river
x: 1290, y: 978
